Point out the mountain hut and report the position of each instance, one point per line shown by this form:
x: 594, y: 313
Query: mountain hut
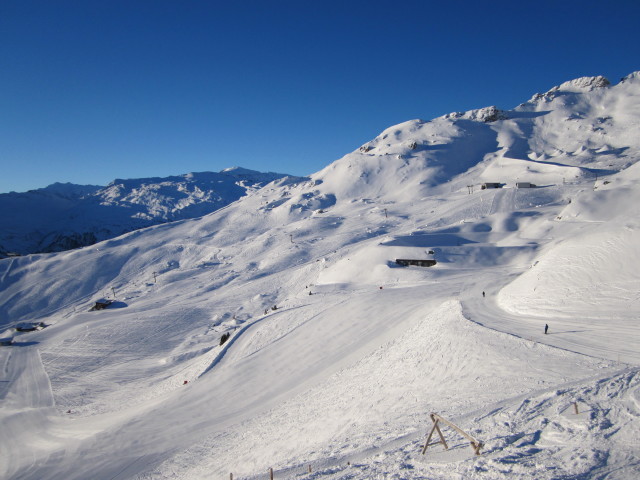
x: 417, y: 262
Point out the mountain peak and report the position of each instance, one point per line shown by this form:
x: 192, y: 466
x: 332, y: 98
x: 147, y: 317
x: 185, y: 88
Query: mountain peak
x: 583, y: 84
x: 70, y: 189
x: 485, y: 115
x: 238, y: 171
x: 631, y: 77
x: 577, y: 85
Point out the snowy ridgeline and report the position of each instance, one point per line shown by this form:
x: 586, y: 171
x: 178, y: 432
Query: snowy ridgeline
x: 280, y: 333
x: 66, y: 216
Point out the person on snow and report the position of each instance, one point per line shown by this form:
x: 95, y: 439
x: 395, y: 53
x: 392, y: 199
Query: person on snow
x: 546, y: 327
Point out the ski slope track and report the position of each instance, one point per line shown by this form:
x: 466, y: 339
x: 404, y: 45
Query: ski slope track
x: 336, y: 355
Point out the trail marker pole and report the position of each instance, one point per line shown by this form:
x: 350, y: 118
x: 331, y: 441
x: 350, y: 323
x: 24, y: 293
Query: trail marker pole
x: 271, y: 473
x: 575, y: 407
x: 114, y: 292
x: 155, y: 280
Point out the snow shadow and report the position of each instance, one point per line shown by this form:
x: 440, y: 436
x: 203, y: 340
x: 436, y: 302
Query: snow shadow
x: 568, y: 331
x: 425, y: 240
x: 513, y: 114
x: 474, y: 141
x: 549, y: 162
x: 24, y: 344
x: 512, y: 223
x: 613, y: 151
x: 598, y: 172
x: 117, y: 304
x: 587, y: 171
x: 4, y: 388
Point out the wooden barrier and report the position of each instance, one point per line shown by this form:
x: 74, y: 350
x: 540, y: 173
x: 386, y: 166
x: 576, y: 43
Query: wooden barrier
x: 475, y: 444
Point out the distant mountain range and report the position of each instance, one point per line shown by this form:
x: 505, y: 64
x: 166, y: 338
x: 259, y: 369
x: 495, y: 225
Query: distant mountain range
x: 64, y: 216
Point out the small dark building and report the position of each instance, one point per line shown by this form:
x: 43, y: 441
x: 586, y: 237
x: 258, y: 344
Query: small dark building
x: 525, y: 185
x: 418, y: 263
x: 30, y: 326
x: 491, y: 185
x: 101, y: 305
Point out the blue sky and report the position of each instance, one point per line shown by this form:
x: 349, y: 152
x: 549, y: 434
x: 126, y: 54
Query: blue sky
x: 95, y: 90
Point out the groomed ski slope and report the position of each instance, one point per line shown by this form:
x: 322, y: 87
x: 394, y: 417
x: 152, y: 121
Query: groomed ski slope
x: 337, y: 356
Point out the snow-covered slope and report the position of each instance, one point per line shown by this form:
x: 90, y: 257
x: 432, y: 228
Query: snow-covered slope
x: 65, y: 216
x: 336, y: 355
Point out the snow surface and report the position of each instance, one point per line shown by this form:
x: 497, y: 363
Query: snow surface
x: 337, y: 355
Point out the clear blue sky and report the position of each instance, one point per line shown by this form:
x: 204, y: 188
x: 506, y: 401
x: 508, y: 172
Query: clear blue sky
x: 96, y: 90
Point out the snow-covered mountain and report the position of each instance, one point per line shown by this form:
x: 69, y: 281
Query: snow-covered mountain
x: 335, y: 355
x: 65, y: 216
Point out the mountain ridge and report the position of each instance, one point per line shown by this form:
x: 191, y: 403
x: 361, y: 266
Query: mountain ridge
x: 429, y: 144
x: 63, y: 216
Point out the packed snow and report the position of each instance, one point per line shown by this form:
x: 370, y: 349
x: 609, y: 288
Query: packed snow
x: 336, y: 355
